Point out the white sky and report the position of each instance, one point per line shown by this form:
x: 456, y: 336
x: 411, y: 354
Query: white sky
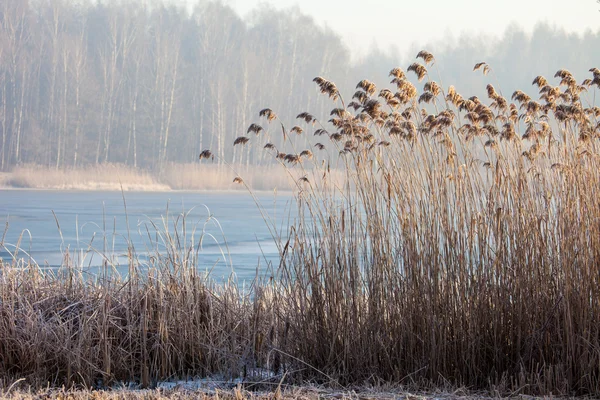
x: 403, y: 23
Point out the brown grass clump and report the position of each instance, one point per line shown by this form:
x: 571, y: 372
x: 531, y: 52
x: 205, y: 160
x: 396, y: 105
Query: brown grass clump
x: 164, y: 319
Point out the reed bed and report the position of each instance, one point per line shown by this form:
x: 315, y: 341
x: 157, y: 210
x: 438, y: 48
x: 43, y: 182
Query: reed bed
x: 463, y: 244
x: 461, y: 248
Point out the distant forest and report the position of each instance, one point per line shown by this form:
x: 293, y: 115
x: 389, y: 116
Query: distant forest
x: 85, y: 83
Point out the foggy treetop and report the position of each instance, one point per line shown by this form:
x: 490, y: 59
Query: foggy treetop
x: 84, y: 83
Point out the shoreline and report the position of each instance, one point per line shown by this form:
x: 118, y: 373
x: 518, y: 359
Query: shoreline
x: 169, y: 190
x: 179, y: 178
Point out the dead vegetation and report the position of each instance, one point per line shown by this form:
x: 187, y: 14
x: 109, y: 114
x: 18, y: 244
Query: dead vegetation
x: 460, y: 247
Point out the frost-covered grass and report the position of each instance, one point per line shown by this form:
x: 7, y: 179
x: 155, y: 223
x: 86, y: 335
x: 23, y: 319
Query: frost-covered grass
x: 183, y: 392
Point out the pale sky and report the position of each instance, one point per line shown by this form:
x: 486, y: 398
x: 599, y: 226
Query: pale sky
x: 404, y: 23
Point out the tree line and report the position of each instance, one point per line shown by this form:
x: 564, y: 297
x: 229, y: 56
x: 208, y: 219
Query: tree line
x: 121, y: 81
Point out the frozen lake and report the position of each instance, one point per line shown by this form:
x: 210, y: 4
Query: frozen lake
x: 95, y: 228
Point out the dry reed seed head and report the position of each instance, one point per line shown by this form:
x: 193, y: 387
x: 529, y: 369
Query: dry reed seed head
x: 354, y: 105
x: 429, y: 119
x: 451, y: 92
x: 419, y: 70
x: 386, y: 94
x: 269, y: 146
x: 304, y: 179
x: 241, y: 140
x: 442, y: 121
x: 533, y: 107
x: 508, y: 132
x: 327, y: 87
x: 491, y: 92
x: 520, y: 96
x: 407, y: 92
x: 372, y: 108
x: 336, y: 136
x: 340, y: 112
x: 479, y: 65
x: 468, y: 105
x: 540, y: 81
x: 432, y: 87
x: 499, y: 103
x: 254, y: 128
x: 594, y: 111
x: 394, y: 117
x: 455, y: 98
x: 367, y: 86
x: 292, y: 158
x: 361, y: 96
x: 563, y: 73
x: 280, y: 156
x: 485, y: 115
x: 447, y: 114
x: 409, y: 127
x: 320, y: 146
x: 267, y: 113
x: 206, y: 154
x: 397, y: 73
x: 393, y: 102
x: 561, y: 116
x: 320, y: 132
x: 426, y: 56
x: 379, y: 121
x: 492, y: 130
x: 306, y: 153
x: 568, y: 81
x: 426, y: 97
x: 238, y: 180
x: 297, y: 130
x: 545, y: 129
x: 337, y: 122
x: 530, y: 132
x: 383, y: 143
x: 308, y: 118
